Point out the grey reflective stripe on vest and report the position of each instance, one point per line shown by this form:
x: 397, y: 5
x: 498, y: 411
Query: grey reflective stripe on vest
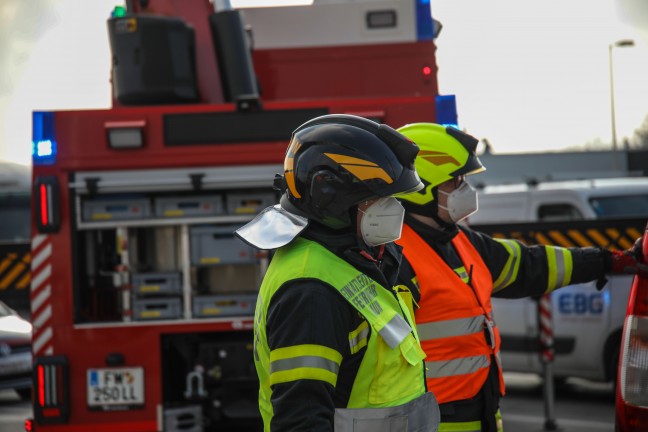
x: 460, y: 366
x: 304, y: 361
x: 395, y: 331
x: 420, y: 415
x: 355, y: 341
x: 449, y: 328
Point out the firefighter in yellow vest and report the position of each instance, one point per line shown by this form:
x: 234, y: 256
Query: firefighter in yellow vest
x: 454, y: 271
x: 335, y: 345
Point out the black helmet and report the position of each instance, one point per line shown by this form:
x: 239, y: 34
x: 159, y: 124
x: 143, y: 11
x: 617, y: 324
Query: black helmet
x: 336, y: 161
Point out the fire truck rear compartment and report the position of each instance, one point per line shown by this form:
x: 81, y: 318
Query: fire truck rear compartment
x: 175, y: 261
x: 213, y: 375
x: 167, y: 251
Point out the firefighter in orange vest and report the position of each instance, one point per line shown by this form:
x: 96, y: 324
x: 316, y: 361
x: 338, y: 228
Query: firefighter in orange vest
x: 456, y: 271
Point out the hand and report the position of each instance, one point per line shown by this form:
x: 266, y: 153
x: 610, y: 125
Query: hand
x: 629, y: 261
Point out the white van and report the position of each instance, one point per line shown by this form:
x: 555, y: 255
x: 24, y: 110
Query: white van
x: 587, y: 322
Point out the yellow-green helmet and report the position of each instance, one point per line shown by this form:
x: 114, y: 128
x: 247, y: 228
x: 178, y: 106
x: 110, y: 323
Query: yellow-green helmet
x: 445, y: 153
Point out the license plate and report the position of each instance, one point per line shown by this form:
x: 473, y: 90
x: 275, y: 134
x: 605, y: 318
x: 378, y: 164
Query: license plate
x: 115, y: 388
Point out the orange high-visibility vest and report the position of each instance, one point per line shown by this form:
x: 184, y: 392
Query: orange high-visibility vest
x: 452, y: 317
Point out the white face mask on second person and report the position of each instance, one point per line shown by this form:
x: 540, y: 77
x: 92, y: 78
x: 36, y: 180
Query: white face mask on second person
x: 462, y: 202
x: 382, y: 221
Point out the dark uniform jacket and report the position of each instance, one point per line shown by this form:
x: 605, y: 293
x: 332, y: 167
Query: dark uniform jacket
x: 313, y: 312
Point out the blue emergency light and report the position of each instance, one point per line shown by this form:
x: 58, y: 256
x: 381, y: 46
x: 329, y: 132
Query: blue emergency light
x: 424, y: 25
x: 446, y: 111
x: 43, y: 143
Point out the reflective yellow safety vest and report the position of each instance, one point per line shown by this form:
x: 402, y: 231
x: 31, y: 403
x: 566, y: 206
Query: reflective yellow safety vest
x: 390, y: 381
x: 452, y: 317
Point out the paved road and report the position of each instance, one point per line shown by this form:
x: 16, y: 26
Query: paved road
x: 13, y: 411
x: 580, y: 406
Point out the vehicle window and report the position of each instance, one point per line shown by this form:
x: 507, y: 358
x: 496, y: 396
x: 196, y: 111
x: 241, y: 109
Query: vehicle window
x: 621, y: 206
x: 558, y: 212
x: 15, y: 219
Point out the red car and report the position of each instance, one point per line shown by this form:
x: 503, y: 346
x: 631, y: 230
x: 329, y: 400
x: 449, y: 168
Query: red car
x: 632, y: 388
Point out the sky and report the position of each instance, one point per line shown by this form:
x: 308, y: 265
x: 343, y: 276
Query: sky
x: 534, y: 75
x: 528, y: 75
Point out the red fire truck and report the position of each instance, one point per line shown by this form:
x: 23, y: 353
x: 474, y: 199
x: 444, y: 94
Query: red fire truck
x: 141, y: 296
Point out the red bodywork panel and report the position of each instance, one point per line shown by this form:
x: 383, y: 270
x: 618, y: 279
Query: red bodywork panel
x: 315, y: 73
x: 82, y: 135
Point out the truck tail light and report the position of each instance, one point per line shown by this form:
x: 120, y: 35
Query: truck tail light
x: 51, y: 401
x: 632, y: 390
x: 47, y: 204
x: 634, y: 366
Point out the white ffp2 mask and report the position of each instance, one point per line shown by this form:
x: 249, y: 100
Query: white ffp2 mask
x: 382, y: 221
x: 462, y: 202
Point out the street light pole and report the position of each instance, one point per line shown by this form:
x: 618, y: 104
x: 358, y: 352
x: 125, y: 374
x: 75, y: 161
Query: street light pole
x: 619, y: 43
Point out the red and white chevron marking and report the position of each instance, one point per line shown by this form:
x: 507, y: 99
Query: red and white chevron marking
x: 546, y: 328
x: 41, y: 295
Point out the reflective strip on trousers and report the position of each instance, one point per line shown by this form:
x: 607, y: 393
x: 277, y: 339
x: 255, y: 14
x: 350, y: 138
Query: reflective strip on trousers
x: 450, y: 328
x: 420, y: 415
x: 470, y: 426
x: 473, y: 426
x: 498, y: 420
x: 460, y: 366
x: 395, y: 331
